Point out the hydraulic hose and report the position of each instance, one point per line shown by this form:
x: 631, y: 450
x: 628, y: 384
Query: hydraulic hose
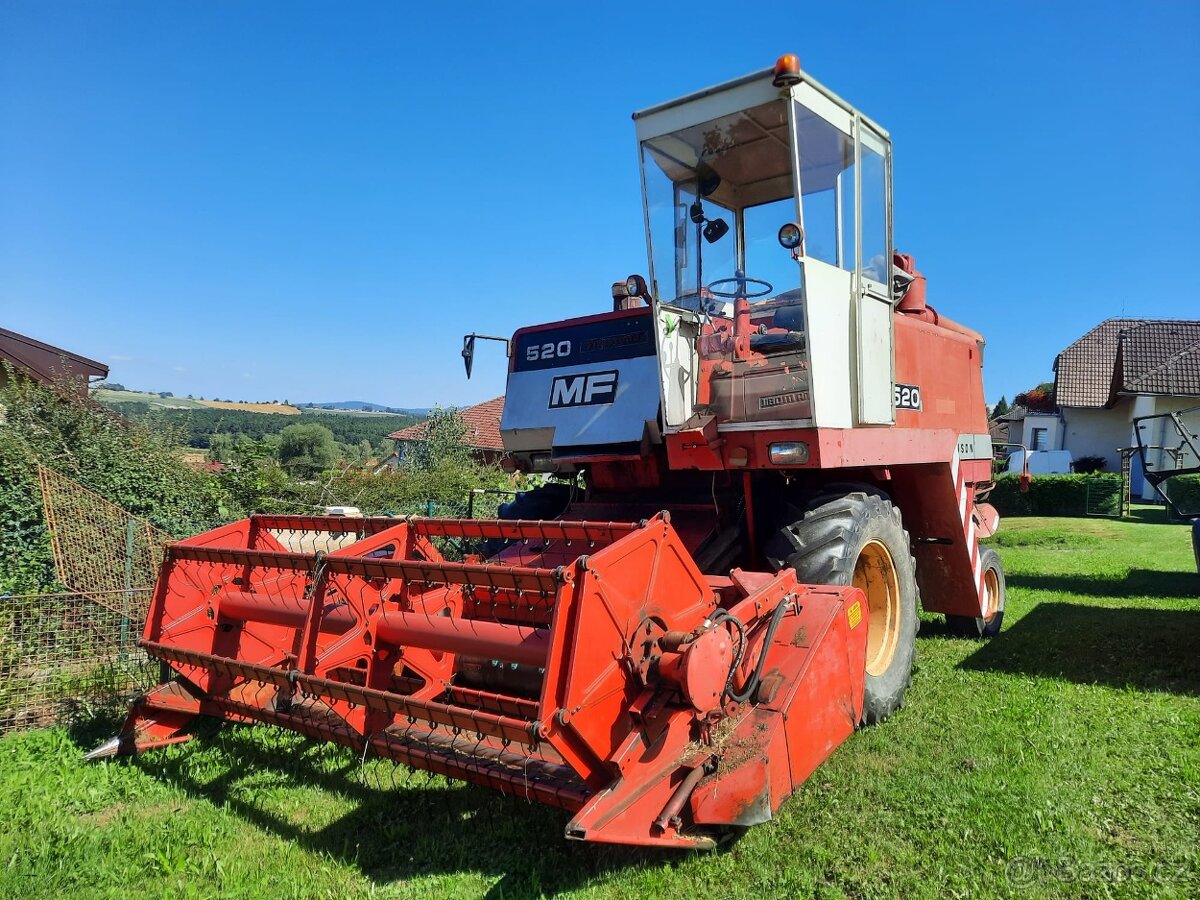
x: 751, y: 685
x: 722, y: 616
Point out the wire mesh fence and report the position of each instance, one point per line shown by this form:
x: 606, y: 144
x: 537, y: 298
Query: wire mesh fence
x: 63, y: 655
x: 1105, y: 500
x: 66, y: 654
x: 98, y: 546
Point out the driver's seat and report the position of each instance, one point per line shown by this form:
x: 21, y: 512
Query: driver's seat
x: 778, y: 341
x: 784, y: 333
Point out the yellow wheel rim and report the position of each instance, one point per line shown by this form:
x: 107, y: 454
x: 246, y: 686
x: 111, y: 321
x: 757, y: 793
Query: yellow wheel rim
x: 991, y: 590
x: 875, y: 575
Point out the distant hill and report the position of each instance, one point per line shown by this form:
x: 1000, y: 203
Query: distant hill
x: 116, y: 395
x: 203, y: 420
x: 365, y: 406
x: 166, y: 400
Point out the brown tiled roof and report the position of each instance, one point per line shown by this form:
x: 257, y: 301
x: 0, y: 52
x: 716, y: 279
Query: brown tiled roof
x: 1160, y: 358
x: 44, y: 361
x: 1083, y: 373
x: 482, y: 423
x: 1131, y: 356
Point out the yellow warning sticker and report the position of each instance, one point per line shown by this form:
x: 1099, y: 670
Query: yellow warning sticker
x: 854, y: 614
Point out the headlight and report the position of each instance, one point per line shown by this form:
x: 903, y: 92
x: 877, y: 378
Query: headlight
x: 788, y: 453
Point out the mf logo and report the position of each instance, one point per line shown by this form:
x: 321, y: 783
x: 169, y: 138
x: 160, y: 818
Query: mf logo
x: 587, y: 389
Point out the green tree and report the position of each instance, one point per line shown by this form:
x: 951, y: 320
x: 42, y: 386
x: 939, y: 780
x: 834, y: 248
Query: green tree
x: 305, y: 450
x: 445, y: 442
x: 1000, y: 408
x: 1038, y: 399
x: 257, y: 483
x: 220, y: 447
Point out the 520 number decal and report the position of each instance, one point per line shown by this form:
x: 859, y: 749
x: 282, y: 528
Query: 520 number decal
x: 908, y: 396
x: 534, y: 352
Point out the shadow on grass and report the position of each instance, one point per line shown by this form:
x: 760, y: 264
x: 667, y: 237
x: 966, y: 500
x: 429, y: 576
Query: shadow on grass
x: 934, y: 627
x: 1148, y: 515
x: 1136, y: 583
x: 1145, y: 649
x: 88, y: 728
x: 403, y: 825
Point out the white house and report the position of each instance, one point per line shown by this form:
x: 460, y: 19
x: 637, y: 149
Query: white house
x: 1118, y: 371
x: 1037, y: 431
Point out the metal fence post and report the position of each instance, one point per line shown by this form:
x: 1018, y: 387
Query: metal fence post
x: 130, y: 529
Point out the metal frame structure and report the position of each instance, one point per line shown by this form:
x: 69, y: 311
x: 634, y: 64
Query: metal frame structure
x: 1157, y: 476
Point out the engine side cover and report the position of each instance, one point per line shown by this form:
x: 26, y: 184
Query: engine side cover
x: 583, y: 385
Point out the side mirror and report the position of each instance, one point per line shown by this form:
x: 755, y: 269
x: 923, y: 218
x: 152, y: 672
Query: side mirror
x: 715, y: 230
x: 468, y: 350
x: 468, y: 353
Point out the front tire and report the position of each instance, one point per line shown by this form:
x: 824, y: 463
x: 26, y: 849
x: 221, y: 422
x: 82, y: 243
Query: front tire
x: 995, y: 593
x: 858, y: 539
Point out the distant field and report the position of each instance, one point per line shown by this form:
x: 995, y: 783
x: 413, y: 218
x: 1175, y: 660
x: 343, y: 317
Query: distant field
x: 153, y: 400
x: 198, y: 420
x: 108, y: 398
x: 365, y: 413
x: 278, y: 408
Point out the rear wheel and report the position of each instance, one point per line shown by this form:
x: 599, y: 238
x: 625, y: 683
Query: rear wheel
x: 548, y: 501
x: 858, y: 539
x: 995, y: 594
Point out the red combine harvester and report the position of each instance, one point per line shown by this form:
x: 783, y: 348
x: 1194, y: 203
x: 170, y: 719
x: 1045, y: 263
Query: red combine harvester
x: 768, y: 454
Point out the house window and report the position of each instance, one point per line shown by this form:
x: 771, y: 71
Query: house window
x: 1039, y: 439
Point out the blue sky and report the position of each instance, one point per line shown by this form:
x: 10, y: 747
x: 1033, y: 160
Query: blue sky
x: 313, y: 201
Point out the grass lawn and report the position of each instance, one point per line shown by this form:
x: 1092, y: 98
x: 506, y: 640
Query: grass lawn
x: 1060, y: 759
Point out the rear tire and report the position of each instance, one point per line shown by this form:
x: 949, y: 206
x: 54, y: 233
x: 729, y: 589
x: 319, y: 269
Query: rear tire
x: 858, y: 539
x: 987, y: 625
x: 548, y: 501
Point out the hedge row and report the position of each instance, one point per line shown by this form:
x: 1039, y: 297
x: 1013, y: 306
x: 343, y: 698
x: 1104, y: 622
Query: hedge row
x: 137, y: 469
x: 1184, y: 491
x: 1059, y: 495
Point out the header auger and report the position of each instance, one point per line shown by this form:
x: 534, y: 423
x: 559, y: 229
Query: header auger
x: 760, y: 461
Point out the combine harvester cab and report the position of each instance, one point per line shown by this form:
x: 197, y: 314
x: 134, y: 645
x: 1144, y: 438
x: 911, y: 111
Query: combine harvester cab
x: 774, y: 447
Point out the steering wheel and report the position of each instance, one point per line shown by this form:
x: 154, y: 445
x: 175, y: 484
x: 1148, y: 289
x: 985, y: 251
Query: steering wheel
x: 740, y: 281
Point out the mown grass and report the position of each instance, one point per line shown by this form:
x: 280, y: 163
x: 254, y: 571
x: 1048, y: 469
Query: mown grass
x: 1060, y: 760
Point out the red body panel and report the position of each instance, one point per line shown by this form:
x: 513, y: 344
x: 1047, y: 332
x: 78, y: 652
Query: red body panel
x: 945, y: 364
